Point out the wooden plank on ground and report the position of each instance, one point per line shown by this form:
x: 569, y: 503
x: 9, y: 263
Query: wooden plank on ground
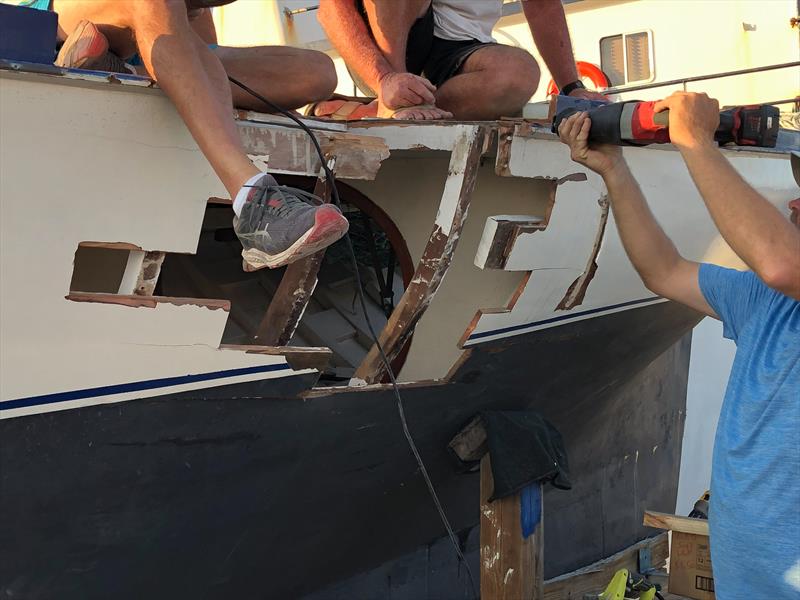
x: 595, y: 577
x: 676, y: 523
x: 512, y: 567
x: 438, y: 253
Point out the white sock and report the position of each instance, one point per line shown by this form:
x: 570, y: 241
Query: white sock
x: 241, y: 197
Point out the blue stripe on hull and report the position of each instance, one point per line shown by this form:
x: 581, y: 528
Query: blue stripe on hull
x: 571, y: 315
x: 136, y: 386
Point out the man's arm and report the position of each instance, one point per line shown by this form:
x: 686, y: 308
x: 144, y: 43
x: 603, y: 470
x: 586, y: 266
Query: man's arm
x: 762, y: 237
x: 202, y: 22
x: 548, y: 25
x: 348, y: 33
x: 384, y: 70
x: 662, y: 269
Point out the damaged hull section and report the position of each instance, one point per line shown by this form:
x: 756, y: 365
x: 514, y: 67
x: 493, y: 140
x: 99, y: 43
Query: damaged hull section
x: 217, y: 493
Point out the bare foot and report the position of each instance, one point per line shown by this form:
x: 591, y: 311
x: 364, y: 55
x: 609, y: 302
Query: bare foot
x: 422, y: 112
x: 346, y: 110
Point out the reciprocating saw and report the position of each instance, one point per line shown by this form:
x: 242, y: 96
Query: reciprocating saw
x: 636, y: 123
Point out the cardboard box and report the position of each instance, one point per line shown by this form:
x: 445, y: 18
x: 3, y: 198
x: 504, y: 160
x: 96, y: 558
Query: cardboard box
x: 690, y: 572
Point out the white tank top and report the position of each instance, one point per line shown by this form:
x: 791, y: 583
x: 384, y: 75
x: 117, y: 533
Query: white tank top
x: 466, y: 19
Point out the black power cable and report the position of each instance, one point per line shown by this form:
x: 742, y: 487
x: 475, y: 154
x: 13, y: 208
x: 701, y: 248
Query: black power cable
x: 360, y: 288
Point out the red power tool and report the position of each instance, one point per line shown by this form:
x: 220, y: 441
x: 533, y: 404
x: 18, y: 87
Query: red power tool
x: 636, y: 123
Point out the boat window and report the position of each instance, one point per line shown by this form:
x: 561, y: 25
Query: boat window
x: 627, y: 57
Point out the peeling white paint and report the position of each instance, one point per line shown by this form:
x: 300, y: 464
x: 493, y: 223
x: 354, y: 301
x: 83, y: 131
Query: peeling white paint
x: 451, y: 195
x: 509, y: 573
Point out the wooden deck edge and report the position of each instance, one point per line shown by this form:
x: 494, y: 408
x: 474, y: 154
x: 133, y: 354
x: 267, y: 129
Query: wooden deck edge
x: 594, y: 578
x: 135, y: 301
x: 299, y: 358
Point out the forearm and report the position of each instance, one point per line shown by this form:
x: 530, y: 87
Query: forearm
x: 203, y: 26
x: 548, y: 25
x: 348, y: 33
x: 761, y: 236
x: 651, y: 252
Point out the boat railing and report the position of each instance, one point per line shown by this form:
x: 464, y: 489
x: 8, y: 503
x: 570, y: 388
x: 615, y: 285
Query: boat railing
x: 683, y: 81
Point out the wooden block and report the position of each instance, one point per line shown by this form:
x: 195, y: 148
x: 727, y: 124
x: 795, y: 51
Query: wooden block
x: 512, y: 567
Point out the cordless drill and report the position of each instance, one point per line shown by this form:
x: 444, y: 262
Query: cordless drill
x: 636, y: 123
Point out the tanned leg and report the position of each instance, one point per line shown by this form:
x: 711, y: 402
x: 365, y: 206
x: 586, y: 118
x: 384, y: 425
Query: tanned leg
x: 188, y: 72
x: 289, y: 77
x: 495, y: 81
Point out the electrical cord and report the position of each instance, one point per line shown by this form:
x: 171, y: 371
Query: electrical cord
x: 362, y: 301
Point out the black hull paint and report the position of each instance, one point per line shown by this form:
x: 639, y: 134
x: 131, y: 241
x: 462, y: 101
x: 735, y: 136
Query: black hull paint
x: 213, y: 494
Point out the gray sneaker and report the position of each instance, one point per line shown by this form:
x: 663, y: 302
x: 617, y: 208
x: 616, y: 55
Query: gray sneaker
x: 281, y: 224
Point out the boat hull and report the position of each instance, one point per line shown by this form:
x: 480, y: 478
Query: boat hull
x: 224, y: 492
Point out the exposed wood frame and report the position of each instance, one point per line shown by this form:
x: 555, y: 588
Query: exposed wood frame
x: 594, y: 578
x: 297, y: 284
x: 135, y: 301
x: 350, y: 195
x: 499, y: 236
x: 577, y: 290
x: 143, y: 268
x: 298, y: 357
x: 149, y: 272
x: 438, y: 253
x: 289, y: 150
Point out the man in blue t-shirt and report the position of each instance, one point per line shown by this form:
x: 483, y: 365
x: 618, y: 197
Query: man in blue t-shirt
x: 755, y: 481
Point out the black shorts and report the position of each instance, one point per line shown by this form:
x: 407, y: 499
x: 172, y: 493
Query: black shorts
x: 435, y: 58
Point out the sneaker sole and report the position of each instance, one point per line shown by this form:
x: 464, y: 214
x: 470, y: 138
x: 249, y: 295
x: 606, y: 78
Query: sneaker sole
x: 327, y: 229
x: 97, y: 46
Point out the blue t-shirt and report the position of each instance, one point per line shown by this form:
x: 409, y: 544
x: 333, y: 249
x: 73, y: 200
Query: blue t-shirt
x: 754, y: 516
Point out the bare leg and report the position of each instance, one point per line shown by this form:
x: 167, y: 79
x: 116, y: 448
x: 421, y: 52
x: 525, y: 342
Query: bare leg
x: 495, y: 81
x: 184, y: 67
x: 390, y: 22
x: 289, y: 77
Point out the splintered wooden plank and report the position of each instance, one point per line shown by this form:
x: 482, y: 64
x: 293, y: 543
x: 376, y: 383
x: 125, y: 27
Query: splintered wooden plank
x: 438, y: 253
x: 136, y: 301
x: 593, y: 578
x: 512, y: 567
x: 298, y: 283
x: 290, y: 150
x: 297, y: 357
x: 499, y: 235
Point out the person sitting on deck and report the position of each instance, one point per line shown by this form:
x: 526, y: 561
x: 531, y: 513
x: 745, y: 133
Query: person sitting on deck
x: 755, y: 480
x: 435, y: 59
x: 270, y: 219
